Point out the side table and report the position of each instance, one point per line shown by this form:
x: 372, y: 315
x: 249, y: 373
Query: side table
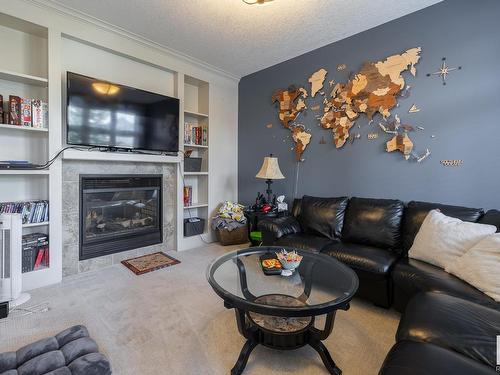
x: 253, y: 218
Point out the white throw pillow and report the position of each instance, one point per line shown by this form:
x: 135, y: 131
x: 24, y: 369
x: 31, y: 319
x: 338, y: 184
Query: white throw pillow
x: 480, y: 266
x: 441, y: 239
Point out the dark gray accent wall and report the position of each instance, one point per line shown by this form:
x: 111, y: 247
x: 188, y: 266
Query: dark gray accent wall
x: 463, y: 115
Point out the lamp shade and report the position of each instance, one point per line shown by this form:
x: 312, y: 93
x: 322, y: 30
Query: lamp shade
x: 270, y: 169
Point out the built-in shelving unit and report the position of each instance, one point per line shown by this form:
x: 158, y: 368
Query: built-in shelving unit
x: 34, y: 225
x: 186, y: 145
x: 199, y: 205
x: 195, y: 173
x: 26, y: 79
x: 23, y: 128
x: 196, y: 112
x: 23, y: 172
x: 23, y: 75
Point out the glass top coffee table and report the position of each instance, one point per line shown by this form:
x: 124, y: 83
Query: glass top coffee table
x: 279, y: 311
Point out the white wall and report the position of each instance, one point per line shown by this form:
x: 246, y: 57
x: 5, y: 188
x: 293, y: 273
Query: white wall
x: 88, y: 60
x: 88, y: 46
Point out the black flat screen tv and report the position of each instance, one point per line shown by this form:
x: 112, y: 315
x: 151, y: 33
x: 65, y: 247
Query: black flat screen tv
x: 105, y: 114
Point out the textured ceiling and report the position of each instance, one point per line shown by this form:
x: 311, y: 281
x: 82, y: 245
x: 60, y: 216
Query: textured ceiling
x: 242, y: 39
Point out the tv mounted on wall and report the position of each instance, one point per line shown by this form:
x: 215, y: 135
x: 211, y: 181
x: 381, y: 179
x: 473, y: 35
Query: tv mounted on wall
x: 105, y: 114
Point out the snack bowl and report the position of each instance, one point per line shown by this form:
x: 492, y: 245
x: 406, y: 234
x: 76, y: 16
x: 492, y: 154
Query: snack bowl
x: 289, y: 260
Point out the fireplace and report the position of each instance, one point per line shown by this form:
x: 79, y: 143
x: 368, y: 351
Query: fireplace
x: 118, y: 213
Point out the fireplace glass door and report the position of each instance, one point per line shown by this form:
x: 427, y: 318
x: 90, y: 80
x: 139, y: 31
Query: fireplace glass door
x: 119, y: 217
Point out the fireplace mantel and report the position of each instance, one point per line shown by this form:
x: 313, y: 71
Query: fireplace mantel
x: 118, y: 157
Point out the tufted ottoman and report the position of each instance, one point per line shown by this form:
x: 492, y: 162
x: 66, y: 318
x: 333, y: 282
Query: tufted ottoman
x: 71, y: 352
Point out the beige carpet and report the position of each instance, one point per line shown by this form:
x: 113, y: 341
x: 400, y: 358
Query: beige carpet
x: 170, y: 322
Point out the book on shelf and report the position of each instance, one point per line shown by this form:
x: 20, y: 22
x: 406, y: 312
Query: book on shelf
x: 195, y: 134
x: 14, y: 110
x: 35, y: 252
x: 32, y: 212
x: 188, y: 196
x: 25, y: 112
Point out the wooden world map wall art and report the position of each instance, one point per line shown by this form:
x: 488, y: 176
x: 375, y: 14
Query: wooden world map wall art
x: 374, y: 90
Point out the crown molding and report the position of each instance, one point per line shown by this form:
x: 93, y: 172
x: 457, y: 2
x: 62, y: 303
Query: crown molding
x: 87, y: 18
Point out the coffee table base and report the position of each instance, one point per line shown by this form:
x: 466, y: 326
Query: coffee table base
x: 323, y: 352
x: 257, y: 335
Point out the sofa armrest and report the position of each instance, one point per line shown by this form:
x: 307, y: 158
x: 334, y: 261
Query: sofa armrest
x: 275, y: 228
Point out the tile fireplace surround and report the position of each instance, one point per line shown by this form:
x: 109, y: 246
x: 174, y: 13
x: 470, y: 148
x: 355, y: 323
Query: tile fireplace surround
x: 72, y: 169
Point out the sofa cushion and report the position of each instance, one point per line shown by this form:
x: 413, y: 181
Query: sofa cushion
x: 373, y: 222
x: 90, y: 364
x: 411, y: 276
x: 491, y: 217
x: 322, y: 216
x: 415, y: 213
x: 296, y: 206
x: 8, y: 361
x: 69, y: 352
x: 43, y: 363
x: 417, y: 358
x: 304, y: 241
x: 442, y: 239
x: 480, y: 266
x: 71, y: 334
x: 280, y: 226
x: 452, y: 323
x: 362, y: 257
x: 35, y: 349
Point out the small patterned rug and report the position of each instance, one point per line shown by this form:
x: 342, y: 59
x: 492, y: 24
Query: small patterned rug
x: 149, y: 263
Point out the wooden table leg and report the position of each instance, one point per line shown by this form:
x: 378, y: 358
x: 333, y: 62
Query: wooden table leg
x: 243, y: 358
x: 325, y: 357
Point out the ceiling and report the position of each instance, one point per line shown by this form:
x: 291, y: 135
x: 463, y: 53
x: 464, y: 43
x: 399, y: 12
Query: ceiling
x: 242, y: 39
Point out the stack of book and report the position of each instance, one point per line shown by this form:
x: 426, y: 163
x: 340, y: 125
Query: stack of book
x: 188, y: 196
x: 32, y: 212
x: 27, y: 112
x: 195, y: 135
x: 35, y: 251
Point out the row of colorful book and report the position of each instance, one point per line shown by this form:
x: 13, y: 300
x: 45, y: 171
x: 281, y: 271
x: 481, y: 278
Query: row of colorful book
x: 35, y: 252
x: 33, y: 113
x: 32, y: 212
x: 195, y: 135
x: 188, y: 196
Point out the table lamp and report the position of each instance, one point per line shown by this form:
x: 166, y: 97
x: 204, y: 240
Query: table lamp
x: 270, y: 171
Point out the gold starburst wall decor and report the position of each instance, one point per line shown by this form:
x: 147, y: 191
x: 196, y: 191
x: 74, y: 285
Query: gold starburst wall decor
x: 444, y: 71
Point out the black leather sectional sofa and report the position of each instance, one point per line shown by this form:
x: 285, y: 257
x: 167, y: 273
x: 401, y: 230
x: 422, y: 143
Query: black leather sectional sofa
x: 448, y: 326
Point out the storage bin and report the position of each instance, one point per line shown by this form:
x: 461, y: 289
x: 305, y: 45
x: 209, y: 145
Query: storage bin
x: 192, y: 164
x: 235, y: 237
x: 193, y: 228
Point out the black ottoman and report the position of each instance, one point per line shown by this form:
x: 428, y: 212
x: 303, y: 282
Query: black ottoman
x: 71, y: 352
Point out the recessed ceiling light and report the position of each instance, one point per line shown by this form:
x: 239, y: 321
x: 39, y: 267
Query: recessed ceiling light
x: 256, y: 2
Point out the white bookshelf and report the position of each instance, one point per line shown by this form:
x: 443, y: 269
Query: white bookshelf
x: 195, y: 114
x: 23, y: 128
x: 195, y: 93
x: 24, y: 76
x: 23, y: 172
x: 26, y: 79
x: 188, y: 145
x: 195, y: 173
x: 34, y: 225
